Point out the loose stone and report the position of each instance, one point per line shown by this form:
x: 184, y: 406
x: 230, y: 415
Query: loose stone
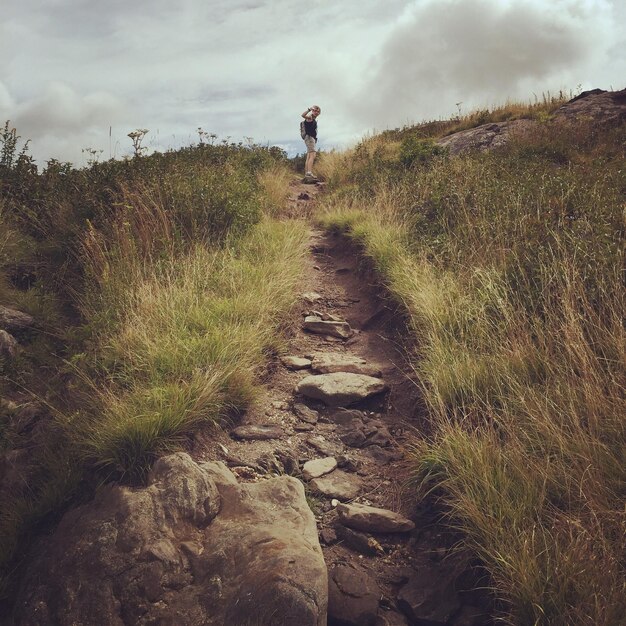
x: 354, y: 438
x: 295, y: 362
x: 311, y: 297
x: 344, y: 417
x: 372, y: 519
x: 383, y: 456
x: 424, y: 604
x: 8, y: 345
x: 328, y: 536
x: 330, y: 362
x: 305, y: 413
x: 303, y: 428
x: 316, y: 324
x: 318, y: 467
x: 380, y: 437
x: 338, y: 485
x: 391, y: 618
x: 258, y: 431
x: 359, y: 542
x: 14, y: 321
x: 324, y: 447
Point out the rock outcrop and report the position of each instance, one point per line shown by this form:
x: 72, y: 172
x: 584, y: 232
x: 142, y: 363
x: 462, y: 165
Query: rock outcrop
x: 485, y: 137
x: 194, y: 547
x: 605, y: 107
x: 601, y: 107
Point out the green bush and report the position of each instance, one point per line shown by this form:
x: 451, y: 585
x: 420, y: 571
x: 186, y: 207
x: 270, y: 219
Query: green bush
x: 414, y: 150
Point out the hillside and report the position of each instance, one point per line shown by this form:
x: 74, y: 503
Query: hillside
x: 394, y: 397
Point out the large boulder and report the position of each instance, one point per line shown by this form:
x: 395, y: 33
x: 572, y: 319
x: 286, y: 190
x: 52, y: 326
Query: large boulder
x: 194, y: 547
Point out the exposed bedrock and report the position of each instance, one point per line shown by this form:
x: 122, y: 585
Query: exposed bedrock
x: 194, y: 547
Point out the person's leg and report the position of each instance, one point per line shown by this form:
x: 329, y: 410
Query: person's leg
x: 310, y: 155
x: 308, y: 167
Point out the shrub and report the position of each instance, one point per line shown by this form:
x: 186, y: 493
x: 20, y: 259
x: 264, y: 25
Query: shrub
x: 422, y: 151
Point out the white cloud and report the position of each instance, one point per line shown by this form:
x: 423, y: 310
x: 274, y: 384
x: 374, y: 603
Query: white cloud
x: 70, y: 69
x: 483, y: 51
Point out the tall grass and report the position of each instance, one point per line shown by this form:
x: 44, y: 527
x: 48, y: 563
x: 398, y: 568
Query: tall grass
x: 184, y: 340
x: 274, y: 182
x: 509, y: 266
x: 178, y: 280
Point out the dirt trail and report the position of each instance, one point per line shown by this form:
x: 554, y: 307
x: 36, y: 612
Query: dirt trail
x: 378, y: 578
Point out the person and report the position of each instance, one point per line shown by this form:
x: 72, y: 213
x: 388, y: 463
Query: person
x: 310, y: 138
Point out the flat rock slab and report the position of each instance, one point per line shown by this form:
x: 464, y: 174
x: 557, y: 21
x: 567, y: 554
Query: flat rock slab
x: 319, y: 467
x: 340, y: 388
x: 339, y: 484
x: 258, y: 431
x: 330, y: 362
x: 295, y: 362
x: 353, y: 596
x: 316, y: 324
x: 372, y: 519
x: 311, y: 297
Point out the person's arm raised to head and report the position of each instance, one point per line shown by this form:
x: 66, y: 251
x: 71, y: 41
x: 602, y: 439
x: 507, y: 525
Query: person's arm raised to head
x: 307, y: 113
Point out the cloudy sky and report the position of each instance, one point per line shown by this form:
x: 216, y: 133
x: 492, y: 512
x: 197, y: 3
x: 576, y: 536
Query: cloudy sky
x: 71, y: 70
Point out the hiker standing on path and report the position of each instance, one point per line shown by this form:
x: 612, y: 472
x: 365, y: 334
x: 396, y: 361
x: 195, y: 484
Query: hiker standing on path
x: 310, y: 137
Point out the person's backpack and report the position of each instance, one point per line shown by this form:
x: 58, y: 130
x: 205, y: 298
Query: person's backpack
x: 302, y: 130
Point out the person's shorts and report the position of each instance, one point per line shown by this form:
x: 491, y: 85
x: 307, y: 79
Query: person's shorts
x: 310, y: 143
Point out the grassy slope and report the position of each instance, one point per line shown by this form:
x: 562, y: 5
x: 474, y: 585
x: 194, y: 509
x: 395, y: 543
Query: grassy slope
x: 509, y: 267
x: 180, y: 278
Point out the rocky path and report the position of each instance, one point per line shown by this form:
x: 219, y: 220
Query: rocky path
x: 232, y: 536
x: 338, y: 413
